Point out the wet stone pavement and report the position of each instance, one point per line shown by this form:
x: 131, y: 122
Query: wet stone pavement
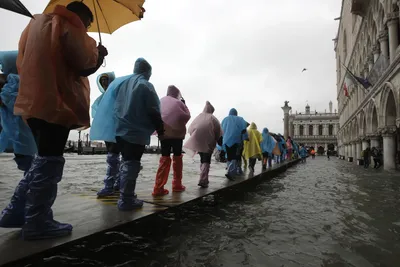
x: 321, y: 213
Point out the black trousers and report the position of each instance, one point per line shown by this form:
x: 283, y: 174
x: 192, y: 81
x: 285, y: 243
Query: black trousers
x: 112, y: 148
x: 233, y: 152
x: 205, y: 157
x: 171, y: 144
x: 50, y: 138
x: 129, y: 150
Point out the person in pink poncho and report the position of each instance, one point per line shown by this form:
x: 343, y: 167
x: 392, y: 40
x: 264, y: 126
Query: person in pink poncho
x: 205, y: 131
x: 175, y: 115
x: 289, y: 148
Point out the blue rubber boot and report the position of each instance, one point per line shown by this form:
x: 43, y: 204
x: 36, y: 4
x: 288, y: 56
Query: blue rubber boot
x: 129, y: 172
x: 39, y: 223
x: 232, y: 170
x: 13, y: 215
x: 110, y: 180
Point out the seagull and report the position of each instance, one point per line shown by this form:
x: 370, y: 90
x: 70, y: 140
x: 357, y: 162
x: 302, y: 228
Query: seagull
x: 304, y: 70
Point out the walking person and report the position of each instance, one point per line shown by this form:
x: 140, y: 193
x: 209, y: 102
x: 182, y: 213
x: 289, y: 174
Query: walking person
x: 111, y: 180
x: 252, y: 149
x: 289, y: 147
x: 175, y: 115
x: 303, y: 154
x: 205, y: 132
x: 234, y: 127
x: 366, y: 157
x: 15, y: 134
x: 55, y: 56
x: 376, y: 155
x: 268, y: 145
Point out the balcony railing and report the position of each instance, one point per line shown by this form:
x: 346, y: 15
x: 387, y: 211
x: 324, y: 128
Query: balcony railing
x: 314, y: 137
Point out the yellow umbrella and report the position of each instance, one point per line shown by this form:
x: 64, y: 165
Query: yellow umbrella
x: 109, y: 15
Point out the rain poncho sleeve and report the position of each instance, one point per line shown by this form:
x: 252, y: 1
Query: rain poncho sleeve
x: 137, y: 106
x: 233, y: 127
x: 204, y: 131
x: 252, y: 146
x: 104, y: 123
x: 15, y: 134
x: 175, y: 114
x: 268, y: 142
x: 111, y: 77
x: 53, y: 50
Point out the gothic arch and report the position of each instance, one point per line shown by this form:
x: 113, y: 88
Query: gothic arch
x: 371, y: 117
x: 362, y: 123
x: 388, y: 103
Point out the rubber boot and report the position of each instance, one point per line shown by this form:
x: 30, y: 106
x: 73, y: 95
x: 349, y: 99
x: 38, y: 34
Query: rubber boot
x: 232, y: 170
x: 129, y: 173
x: 177, y: 166
x: 204, y: 170
x: 162, y: 176
x: 13, y: 216
x: 39, y: 223
x: 113, y: 164
x: 252, y: 164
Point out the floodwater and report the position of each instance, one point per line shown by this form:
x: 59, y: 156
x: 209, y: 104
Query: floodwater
x: 322, y: 213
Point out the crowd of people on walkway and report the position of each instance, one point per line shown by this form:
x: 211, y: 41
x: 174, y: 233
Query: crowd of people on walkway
x: 41, y: 105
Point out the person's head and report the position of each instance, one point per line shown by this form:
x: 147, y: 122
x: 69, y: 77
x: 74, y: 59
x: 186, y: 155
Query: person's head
x: 253, y: 126
x: 83, y: 12
x: 142, y: 67
x: 289, y: 138
x: 233, y: 112
x: 208, y: 108
x: 265, y: 131
x: 173, y: 91
x: 104, y: 82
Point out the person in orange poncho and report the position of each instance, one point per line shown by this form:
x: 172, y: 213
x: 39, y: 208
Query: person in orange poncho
x: 55, y: 57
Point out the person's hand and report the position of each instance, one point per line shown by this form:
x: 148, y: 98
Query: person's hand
x: 102, y: 50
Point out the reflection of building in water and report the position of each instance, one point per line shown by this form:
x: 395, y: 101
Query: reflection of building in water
x: 316, y: 129
x: 368, y: 44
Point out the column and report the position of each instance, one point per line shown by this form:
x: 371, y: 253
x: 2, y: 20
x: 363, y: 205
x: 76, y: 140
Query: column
x: 364, y: 144
x: 358, y: 149
x: 354, y: 151
x: 389, y: 147
x: 315, y: 129
x: 326, y: 147
x: 376, y: 51
x: 286, y: 110
x: 383, y: 41
x: 346, y: 151
x: 393, y: 29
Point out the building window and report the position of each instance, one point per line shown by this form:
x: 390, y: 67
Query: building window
x: 310, y: 130
x: 320, y: 130
x: 330, y: 129
x: 301, y: 130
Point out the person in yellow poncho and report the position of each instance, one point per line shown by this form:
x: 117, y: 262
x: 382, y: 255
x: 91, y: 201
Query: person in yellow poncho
x: 252, y: 149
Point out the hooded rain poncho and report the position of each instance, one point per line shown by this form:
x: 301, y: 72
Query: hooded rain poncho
x: 15, y: 134
x: 174, y: 114
x: 204, y: 132
x: 125, y: 108
x: 268, y: 142
x: 111, y: 78
x: 252, y: 146
x: 233, y: 126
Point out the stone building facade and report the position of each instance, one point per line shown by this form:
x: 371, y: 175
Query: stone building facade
x: 368, y: 35
x: 314, y: 129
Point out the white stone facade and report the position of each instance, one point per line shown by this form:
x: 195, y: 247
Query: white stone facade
x: 315, y: 129
x: 368, y: 31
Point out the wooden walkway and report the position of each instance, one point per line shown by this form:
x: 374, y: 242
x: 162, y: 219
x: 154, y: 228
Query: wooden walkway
x: 90, y: 215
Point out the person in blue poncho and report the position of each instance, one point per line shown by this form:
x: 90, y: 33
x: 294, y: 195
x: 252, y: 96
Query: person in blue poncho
x: 111, y: 180
x: 16, y: 135
x: 128, y: 114
x: 267, y: 146
x: 303, y: 154
x: 234, y: 128
x: 283, y: 148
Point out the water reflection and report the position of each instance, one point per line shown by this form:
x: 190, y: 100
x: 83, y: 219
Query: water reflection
x: 317, y: 214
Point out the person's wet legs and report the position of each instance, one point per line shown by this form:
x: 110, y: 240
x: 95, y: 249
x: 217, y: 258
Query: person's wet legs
x: 112, y: 174
x: 46, y: 171
x: 13, y: 215
x: 205, y: 161
x: 129, y: 172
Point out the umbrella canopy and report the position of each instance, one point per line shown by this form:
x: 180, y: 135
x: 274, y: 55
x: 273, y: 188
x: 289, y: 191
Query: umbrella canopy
x: 109, y: 15
x: 15, y: 6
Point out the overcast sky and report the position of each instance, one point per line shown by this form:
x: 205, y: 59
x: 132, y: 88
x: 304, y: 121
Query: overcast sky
x: 249, y: 57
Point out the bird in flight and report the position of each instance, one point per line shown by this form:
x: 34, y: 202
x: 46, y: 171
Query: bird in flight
x: 304, y: 70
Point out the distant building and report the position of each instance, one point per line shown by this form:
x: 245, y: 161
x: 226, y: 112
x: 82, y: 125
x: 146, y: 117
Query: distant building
x: 315, y: 129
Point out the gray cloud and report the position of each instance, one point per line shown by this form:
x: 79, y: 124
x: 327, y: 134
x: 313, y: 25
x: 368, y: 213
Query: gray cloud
x: 248, y: 56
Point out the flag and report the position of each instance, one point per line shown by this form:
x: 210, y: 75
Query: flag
x: 346, y: 92
x: 364, y: 82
